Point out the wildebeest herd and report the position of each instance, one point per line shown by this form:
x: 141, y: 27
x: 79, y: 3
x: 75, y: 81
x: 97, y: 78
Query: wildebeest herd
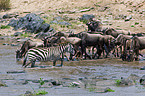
x: 98, y: 42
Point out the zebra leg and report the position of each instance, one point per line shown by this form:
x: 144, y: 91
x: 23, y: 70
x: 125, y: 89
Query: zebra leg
x: 54, y: 62
x: 32, y: 63
x: 25, y: 61
x: 27, y: 64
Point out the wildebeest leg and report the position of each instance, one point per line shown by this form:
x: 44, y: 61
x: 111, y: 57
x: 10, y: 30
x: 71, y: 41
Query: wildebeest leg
x: 124, y: 53
x: 106, y: 50
x: 117, y: 52
x: 86, y: 55
x: 130, y: 56
x: 84, y: 50
x: 137, y: 54
x: 99, y: 51
x: 114, y: 51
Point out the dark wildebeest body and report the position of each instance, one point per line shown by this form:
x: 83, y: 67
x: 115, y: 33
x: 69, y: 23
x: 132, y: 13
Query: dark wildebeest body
x: 137, y: 44
x: 98, y: 41
x: 54, y: 39
x: 120, y: 41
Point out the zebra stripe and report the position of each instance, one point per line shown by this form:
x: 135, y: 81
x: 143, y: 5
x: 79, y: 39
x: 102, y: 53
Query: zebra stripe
x: 46, y: 54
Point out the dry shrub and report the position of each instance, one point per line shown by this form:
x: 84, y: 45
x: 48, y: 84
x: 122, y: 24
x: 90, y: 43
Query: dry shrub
x: 4, y: 4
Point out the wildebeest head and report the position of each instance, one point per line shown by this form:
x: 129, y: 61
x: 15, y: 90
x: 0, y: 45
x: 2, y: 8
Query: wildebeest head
x: 18, y: 55
x: 93, y: 25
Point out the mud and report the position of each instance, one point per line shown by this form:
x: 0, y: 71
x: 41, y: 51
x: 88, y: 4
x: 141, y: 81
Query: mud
x: 89, y: 74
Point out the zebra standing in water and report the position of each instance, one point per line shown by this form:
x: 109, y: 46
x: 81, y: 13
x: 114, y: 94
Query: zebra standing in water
x: 46, y: 54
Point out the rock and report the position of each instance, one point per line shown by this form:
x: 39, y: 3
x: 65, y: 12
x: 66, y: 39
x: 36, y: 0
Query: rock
x: 86, y: 17
x: 13, y: 72
x: 28, y: 93
x: 21, y: 82
x: 126, y: 82
x: 30, y: 22
x: 45, y: 27
x: 58, y: 18
x: 2, y: 84
x: 18, y: 33
x: 55, y: 82
x: 77, y: 84
x: 142, y: 80
x: 64, y: 23
x: 35, y: 81
x: 46, y: 85
x: 102, y: 9
x: 105, y: 83
x: 5, y: 44
x: 143, y: 68
x: 7, y: 16
x: 103, y: 90
x: 128, y: 18
x: 134, y: 77
x: 54, y: 22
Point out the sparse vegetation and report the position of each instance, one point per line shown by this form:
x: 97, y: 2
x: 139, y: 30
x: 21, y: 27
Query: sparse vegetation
x: 136, y: 23
x: 118, y: 82
x: 26, y: 35
x: 74, y: 84
x: 110, y: 90
x: 41, y: 81
x: 4, y: 27
x: 132, y: 25
x: 40, y: 92
x: 4, y: 4
x: 91, y: 89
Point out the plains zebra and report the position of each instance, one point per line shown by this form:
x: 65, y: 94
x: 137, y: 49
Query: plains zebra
x: 46, y: 54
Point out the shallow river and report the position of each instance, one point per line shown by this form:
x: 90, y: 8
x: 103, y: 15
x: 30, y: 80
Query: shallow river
x: 105, y: 68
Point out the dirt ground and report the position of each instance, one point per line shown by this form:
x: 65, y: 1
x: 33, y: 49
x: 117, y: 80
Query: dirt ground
x: 110, y: 12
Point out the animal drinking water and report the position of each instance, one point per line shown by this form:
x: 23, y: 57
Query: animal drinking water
x: 46, y: 54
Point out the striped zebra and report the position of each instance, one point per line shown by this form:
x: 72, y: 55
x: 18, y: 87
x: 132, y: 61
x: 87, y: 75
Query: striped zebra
x: 46, y: 54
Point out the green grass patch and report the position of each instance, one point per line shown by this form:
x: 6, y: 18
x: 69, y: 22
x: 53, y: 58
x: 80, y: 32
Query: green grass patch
x: 40, y: 92
x: 41, y: 81
x: 92, y: 89
x: 26, y: 35
x: 136, y: 23
x: 4, y: 27
x: 118, y: 82
x: 99, y: 2
x: 110, y: 90
x: 132, y: 25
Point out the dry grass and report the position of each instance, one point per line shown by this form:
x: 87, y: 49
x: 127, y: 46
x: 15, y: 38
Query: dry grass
x: 115, y: 8
x: 4, y: 4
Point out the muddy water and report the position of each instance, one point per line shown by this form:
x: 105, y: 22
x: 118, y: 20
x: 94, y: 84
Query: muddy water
x: 105, y: 68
